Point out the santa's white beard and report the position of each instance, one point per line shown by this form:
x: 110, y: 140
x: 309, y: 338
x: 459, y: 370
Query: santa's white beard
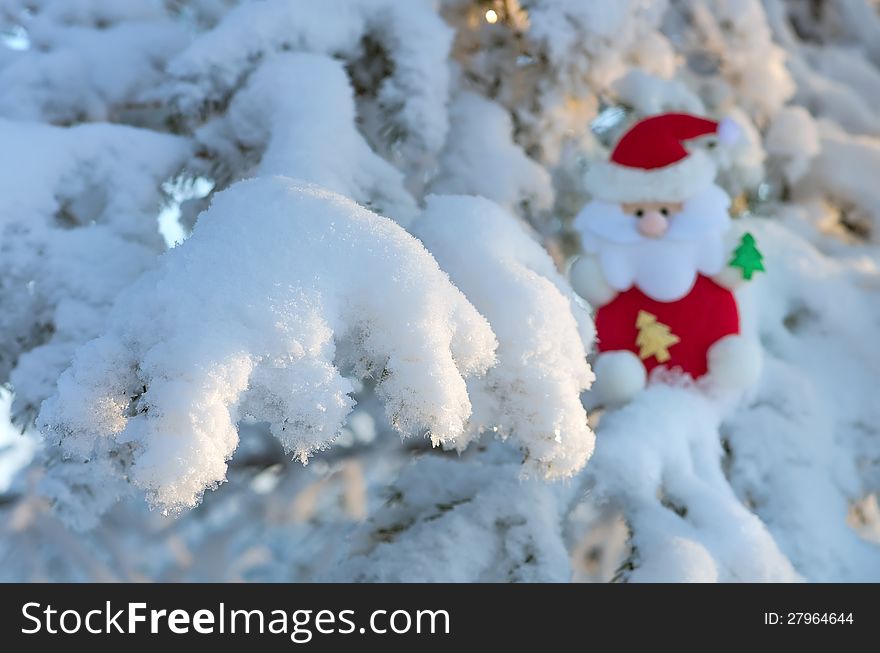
x: 664, y: 268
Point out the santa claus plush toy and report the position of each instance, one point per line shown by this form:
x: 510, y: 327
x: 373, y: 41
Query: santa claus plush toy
x: 657, y: 265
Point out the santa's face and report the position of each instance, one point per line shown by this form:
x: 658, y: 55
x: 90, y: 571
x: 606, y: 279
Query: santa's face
x: 652, y: 218
x: 660, y: 247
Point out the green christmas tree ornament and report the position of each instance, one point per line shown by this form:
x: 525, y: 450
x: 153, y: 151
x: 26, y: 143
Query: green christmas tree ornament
x: 747, y: 257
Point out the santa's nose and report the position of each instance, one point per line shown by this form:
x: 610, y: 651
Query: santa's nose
x: 653, y: 224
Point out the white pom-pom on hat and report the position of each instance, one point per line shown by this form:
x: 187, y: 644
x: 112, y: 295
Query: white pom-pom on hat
x: 729, y: 132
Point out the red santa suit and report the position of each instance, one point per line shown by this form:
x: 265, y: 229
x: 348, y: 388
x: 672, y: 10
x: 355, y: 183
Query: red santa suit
x: 698, y: 320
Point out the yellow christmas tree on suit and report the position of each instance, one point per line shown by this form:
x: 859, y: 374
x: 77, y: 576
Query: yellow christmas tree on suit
x: 655, y: 338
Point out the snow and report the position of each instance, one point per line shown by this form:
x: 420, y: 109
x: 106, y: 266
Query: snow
x: 16, y: 449
x: 793, y: 141
x: 820, y: 425
x: 649, y: 94
x: 481, y: 158
x: 77, y: 210
x: 87, y: 61
x: 611, y: 31
x: 443, y: 505
x: 844, y: 170
x: 660, y: 457
x: 298, y: 256
x: 512, y: 281
x: 288, y: 133
x: 392, y: 187
x: 412, y: 33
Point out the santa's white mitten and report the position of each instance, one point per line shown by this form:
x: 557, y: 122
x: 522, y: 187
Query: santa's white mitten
x: 588, y: 281
x: 735, y: 362
x: 745, y: 260
x: 620, y: 376
x: 730, y: 278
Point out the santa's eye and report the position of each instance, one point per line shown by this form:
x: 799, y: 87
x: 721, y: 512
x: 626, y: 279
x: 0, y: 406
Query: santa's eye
x: 639, y: 213
x: 664, y: 211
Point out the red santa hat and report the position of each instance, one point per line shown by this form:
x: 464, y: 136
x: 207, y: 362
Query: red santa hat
x: 652, y: 163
